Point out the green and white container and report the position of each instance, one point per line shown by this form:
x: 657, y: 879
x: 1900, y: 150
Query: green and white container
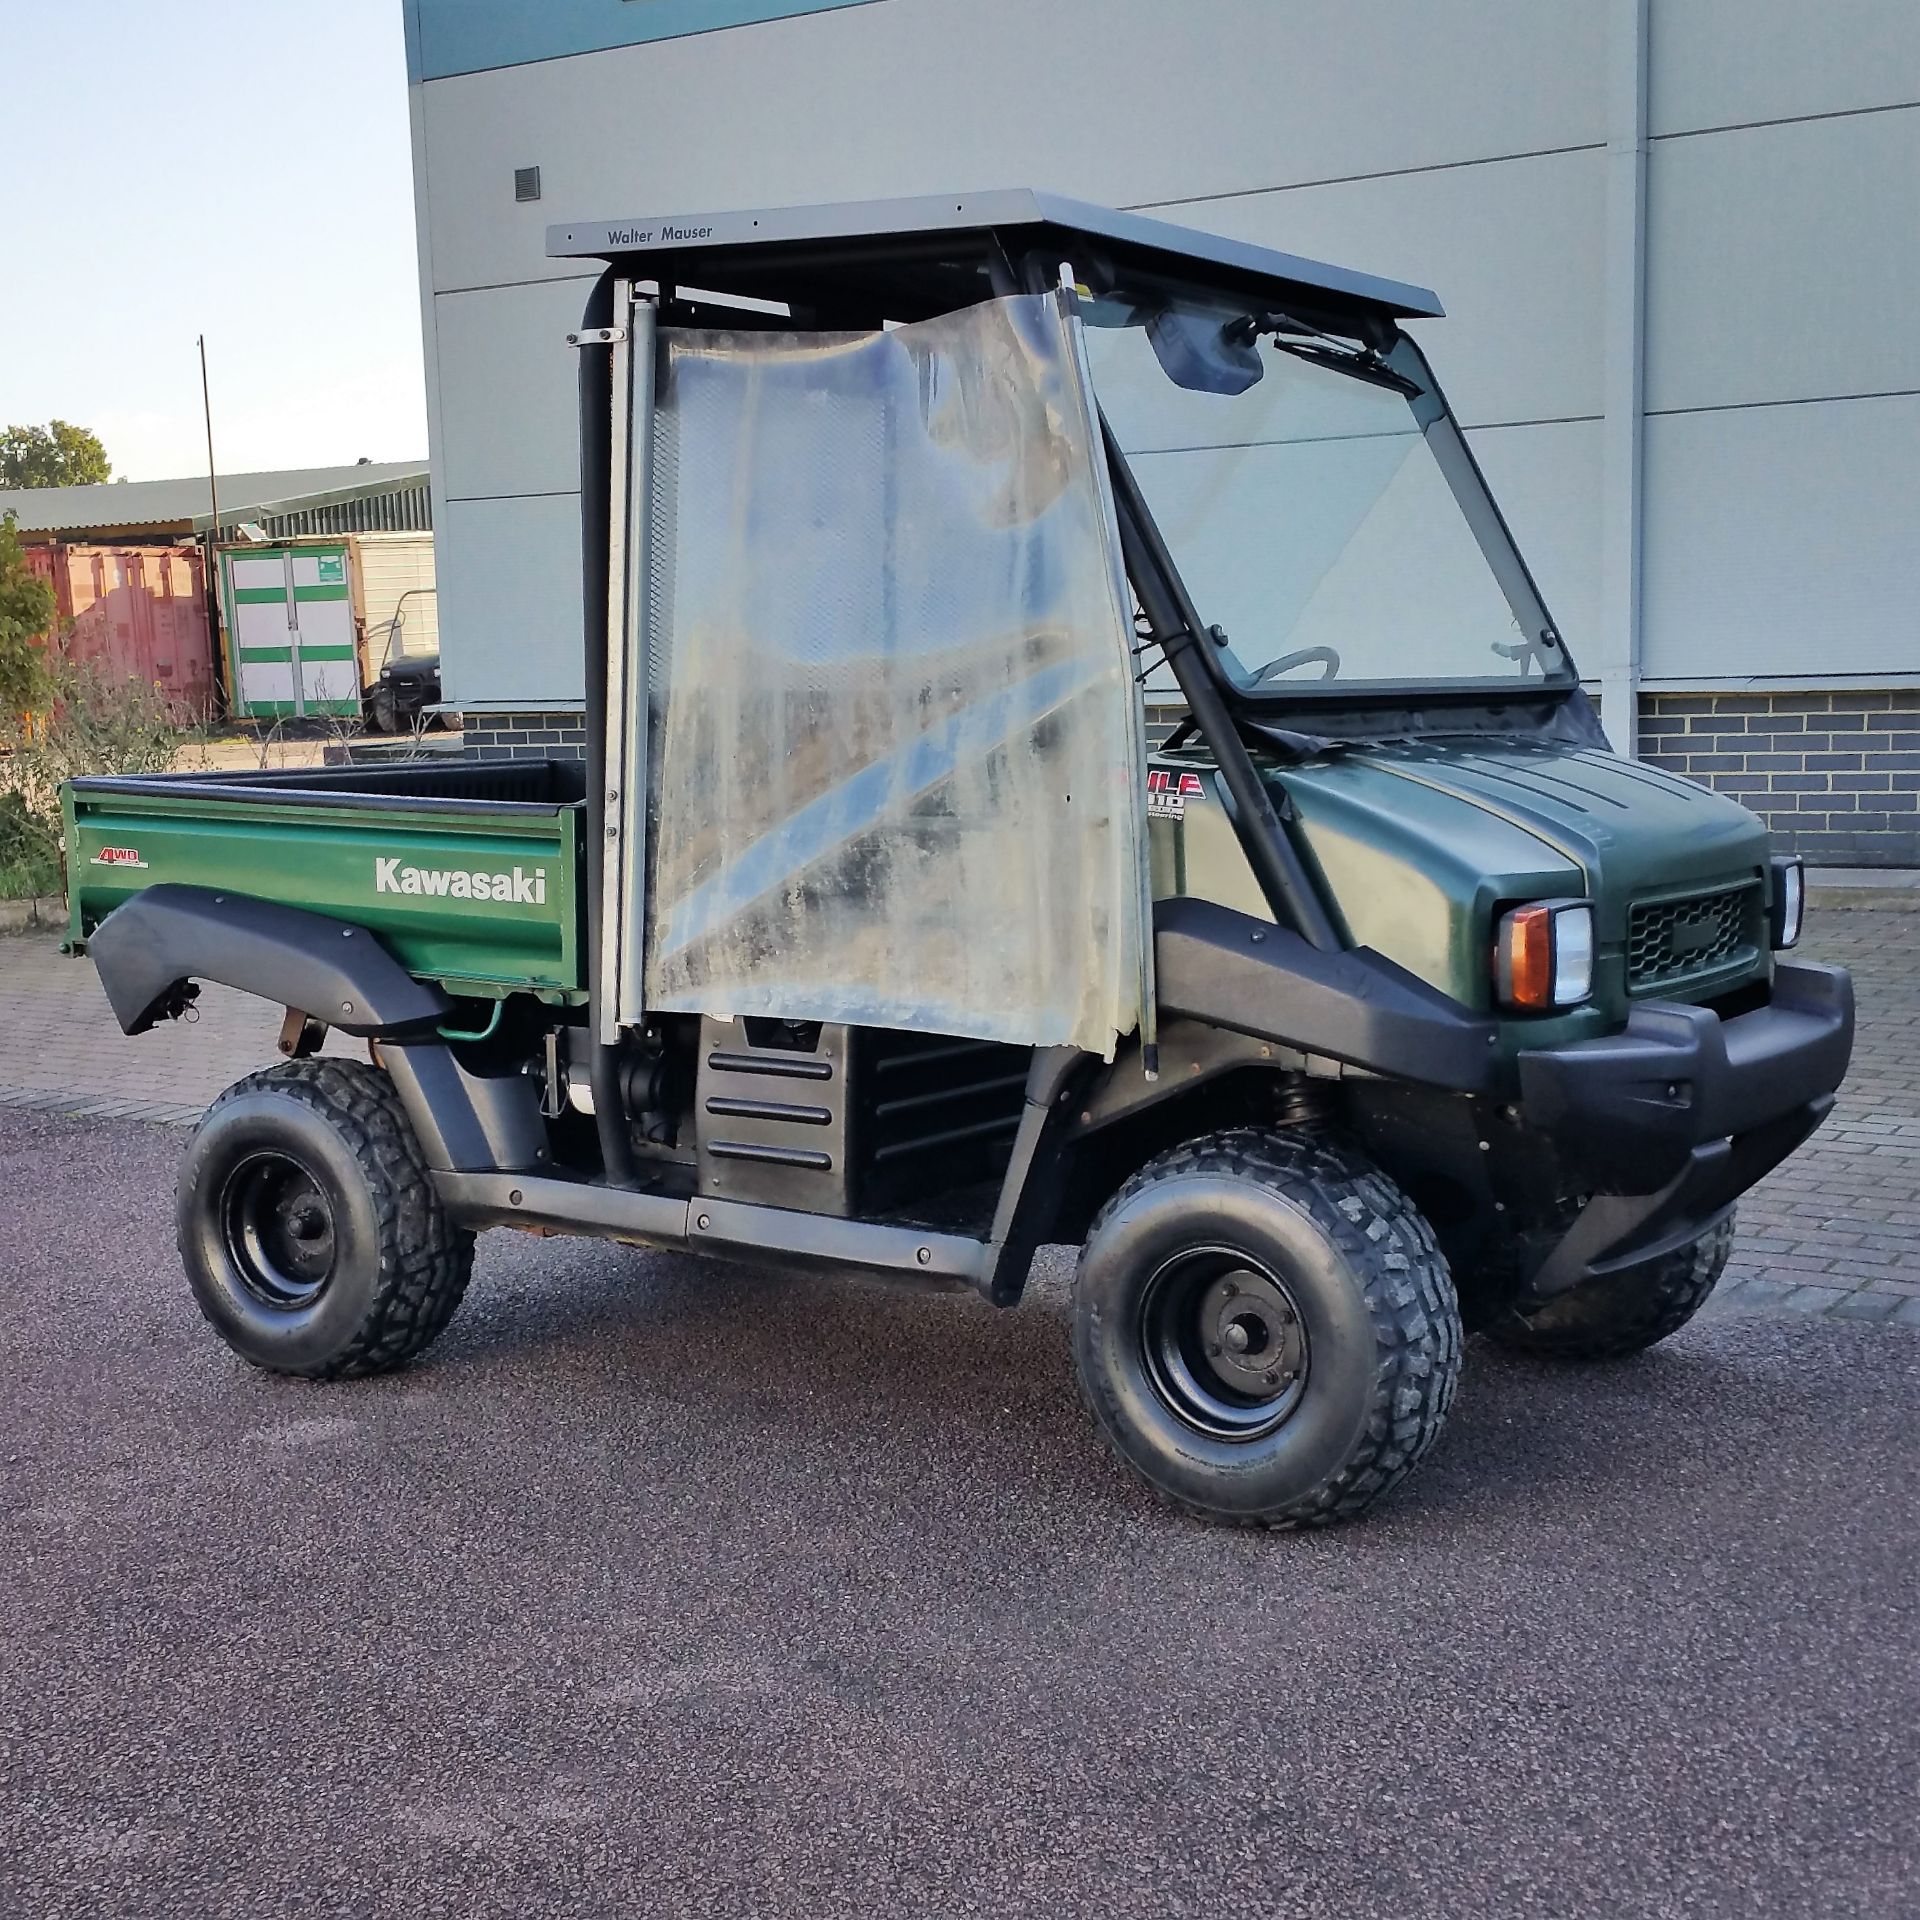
x: 290, y: 627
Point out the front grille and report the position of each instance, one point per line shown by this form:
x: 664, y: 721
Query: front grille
x: 1699, y: 933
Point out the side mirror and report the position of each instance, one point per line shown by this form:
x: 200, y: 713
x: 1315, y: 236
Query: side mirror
x: 1194, y: 352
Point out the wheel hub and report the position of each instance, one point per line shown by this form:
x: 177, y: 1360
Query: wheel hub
x: 1224, y: 1342
x: 1251, y: 1333
x: 279, y: 1230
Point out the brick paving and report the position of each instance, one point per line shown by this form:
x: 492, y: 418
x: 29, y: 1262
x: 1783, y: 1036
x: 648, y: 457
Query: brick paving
x: 1833, y: 1232
x: 61, y: 1051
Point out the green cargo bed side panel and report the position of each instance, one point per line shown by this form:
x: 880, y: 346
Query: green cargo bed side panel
x: 478, y: 900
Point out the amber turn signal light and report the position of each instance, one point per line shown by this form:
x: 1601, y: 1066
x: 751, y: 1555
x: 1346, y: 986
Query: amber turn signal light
x: 1543, y: 957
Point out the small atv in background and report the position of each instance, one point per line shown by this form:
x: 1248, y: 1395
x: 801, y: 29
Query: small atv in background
x: 406, y: 691
x: 1381, y: 1003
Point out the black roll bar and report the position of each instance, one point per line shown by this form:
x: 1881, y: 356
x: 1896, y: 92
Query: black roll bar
x: 1175, y: 625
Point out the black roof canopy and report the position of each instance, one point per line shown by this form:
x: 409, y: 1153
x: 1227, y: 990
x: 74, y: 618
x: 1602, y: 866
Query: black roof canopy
x: 936, y: 245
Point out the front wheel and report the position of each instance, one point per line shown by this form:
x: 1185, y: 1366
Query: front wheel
x: 1622, y: 1313
x: 309, y: 1226
x: 1266, y: 1329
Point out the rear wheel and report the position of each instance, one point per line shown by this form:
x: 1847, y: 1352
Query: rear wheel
x: 1625, y: 1312
x: 309, y: 1227
x: 1266, y: 1329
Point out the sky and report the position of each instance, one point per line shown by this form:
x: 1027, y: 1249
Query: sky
x: 237, y: 170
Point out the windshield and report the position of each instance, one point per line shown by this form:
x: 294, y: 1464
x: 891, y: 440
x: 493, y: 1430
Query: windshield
x: 1305, y: 505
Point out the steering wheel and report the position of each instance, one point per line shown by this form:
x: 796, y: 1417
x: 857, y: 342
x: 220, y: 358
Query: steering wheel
x: 1306, y: 657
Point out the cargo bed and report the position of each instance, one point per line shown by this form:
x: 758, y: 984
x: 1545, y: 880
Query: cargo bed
x: 469, y: 872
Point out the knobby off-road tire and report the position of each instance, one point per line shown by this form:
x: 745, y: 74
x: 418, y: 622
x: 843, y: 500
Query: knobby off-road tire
x: 1626, y: 1312
x: 310, y: 1230
x: 1347, y: 1294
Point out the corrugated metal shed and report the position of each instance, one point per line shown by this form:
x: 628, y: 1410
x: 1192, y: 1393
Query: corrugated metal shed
x: 406, y: 509
x: 386, y: 495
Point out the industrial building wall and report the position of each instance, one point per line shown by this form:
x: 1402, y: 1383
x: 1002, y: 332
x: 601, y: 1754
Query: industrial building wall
x: 1675, y: 239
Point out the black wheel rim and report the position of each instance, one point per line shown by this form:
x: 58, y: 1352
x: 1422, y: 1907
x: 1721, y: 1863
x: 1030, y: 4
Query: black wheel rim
x: 278, y: 1228
x: 1224, y: 1343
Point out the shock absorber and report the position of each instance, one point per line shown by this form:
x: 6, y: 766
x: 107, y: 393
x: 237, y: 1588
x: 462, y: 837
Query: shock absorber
x: 1302, y: 1105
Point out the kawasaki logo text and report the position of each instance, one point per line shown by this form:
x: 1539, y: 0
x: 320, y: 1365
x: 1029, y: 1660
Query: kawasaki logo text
x: 518, y: 888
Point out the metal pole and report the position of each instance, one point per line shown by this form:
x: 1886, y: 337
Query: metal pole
x: 213, y: 532
x: 1624, y: 360
x: 206, y: 407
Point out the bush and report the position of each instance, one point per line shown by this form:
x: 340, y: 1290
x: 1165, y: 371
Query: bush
x: 26, y: 613
x: 87, y: 724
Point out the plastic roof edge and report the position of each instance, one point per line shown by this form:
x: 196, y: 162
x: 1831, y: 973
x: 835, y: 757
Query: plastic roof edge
x: 653, y: 234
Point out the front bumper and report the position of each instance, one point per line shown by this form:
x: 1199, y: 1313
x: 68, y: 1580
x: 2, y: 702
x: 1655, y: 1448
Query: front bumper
x: 1668, y: 1122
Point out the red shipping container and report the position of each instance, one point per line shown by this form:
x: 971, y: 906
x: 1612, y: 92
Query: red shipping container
x: 138, y: 613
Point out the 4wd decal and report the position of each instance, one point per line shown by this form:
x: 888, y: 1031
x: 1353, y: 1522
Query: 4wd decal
x: 1168, y: 793
x: 517, y: 889
x: 118, y: 857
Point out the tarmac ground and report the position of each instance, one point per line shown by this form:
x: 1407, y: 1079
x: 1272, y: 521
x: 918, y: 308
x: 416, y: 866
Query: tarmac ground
x: 661, y: 1586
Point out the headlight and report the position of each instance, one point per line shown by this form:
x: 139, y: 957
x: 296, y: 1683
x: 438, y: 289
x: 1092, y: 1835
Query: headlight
x: 1787, y: 900
x: 1543, y: 956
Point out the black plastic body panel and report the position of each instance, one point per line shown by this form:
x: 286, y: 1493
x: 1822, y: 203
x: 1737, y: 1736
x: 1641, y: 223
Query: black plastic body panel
x: 1621, y: 1230
x: 1675, y: 1118
x: 1631, y: 1106
x: 147, y: 948
x: 934, y: 1112
x: 1232, y: 970
x: 436, y: 786
x: 466, y: 1121
x: 774, y: 1124
x: 861, y: 1122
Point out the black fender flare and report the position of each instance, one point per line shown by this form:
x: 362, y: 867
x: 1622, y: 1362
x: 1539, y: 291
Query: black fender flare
x: 1233, y: 993
x: 148, y: 948
x: 1230, y: 970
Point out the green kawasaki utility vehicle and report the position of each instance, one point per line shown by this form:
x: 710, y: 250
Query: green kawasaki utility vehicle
x: 1380, y: 1000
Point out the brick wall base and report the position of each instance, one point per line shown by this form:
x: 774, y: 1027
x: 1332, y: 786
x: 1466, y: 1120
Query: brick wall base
x: 533, y: 735
x: 1836, y: 776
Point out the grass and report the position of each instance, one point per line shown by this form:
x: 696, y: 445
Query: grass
x: 29, y: 878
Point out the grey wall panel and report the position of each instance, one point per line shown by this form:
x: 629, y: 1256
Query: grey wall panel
x: 1784, y: 262
x: 1125, y: 101
x: 1780, y: 540
x: 510, y: 568
x: 1514, y: 249
x: 504, y: 359
x: 1547, y: 481
x: 509, y: 573
x: 1720, y: 63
